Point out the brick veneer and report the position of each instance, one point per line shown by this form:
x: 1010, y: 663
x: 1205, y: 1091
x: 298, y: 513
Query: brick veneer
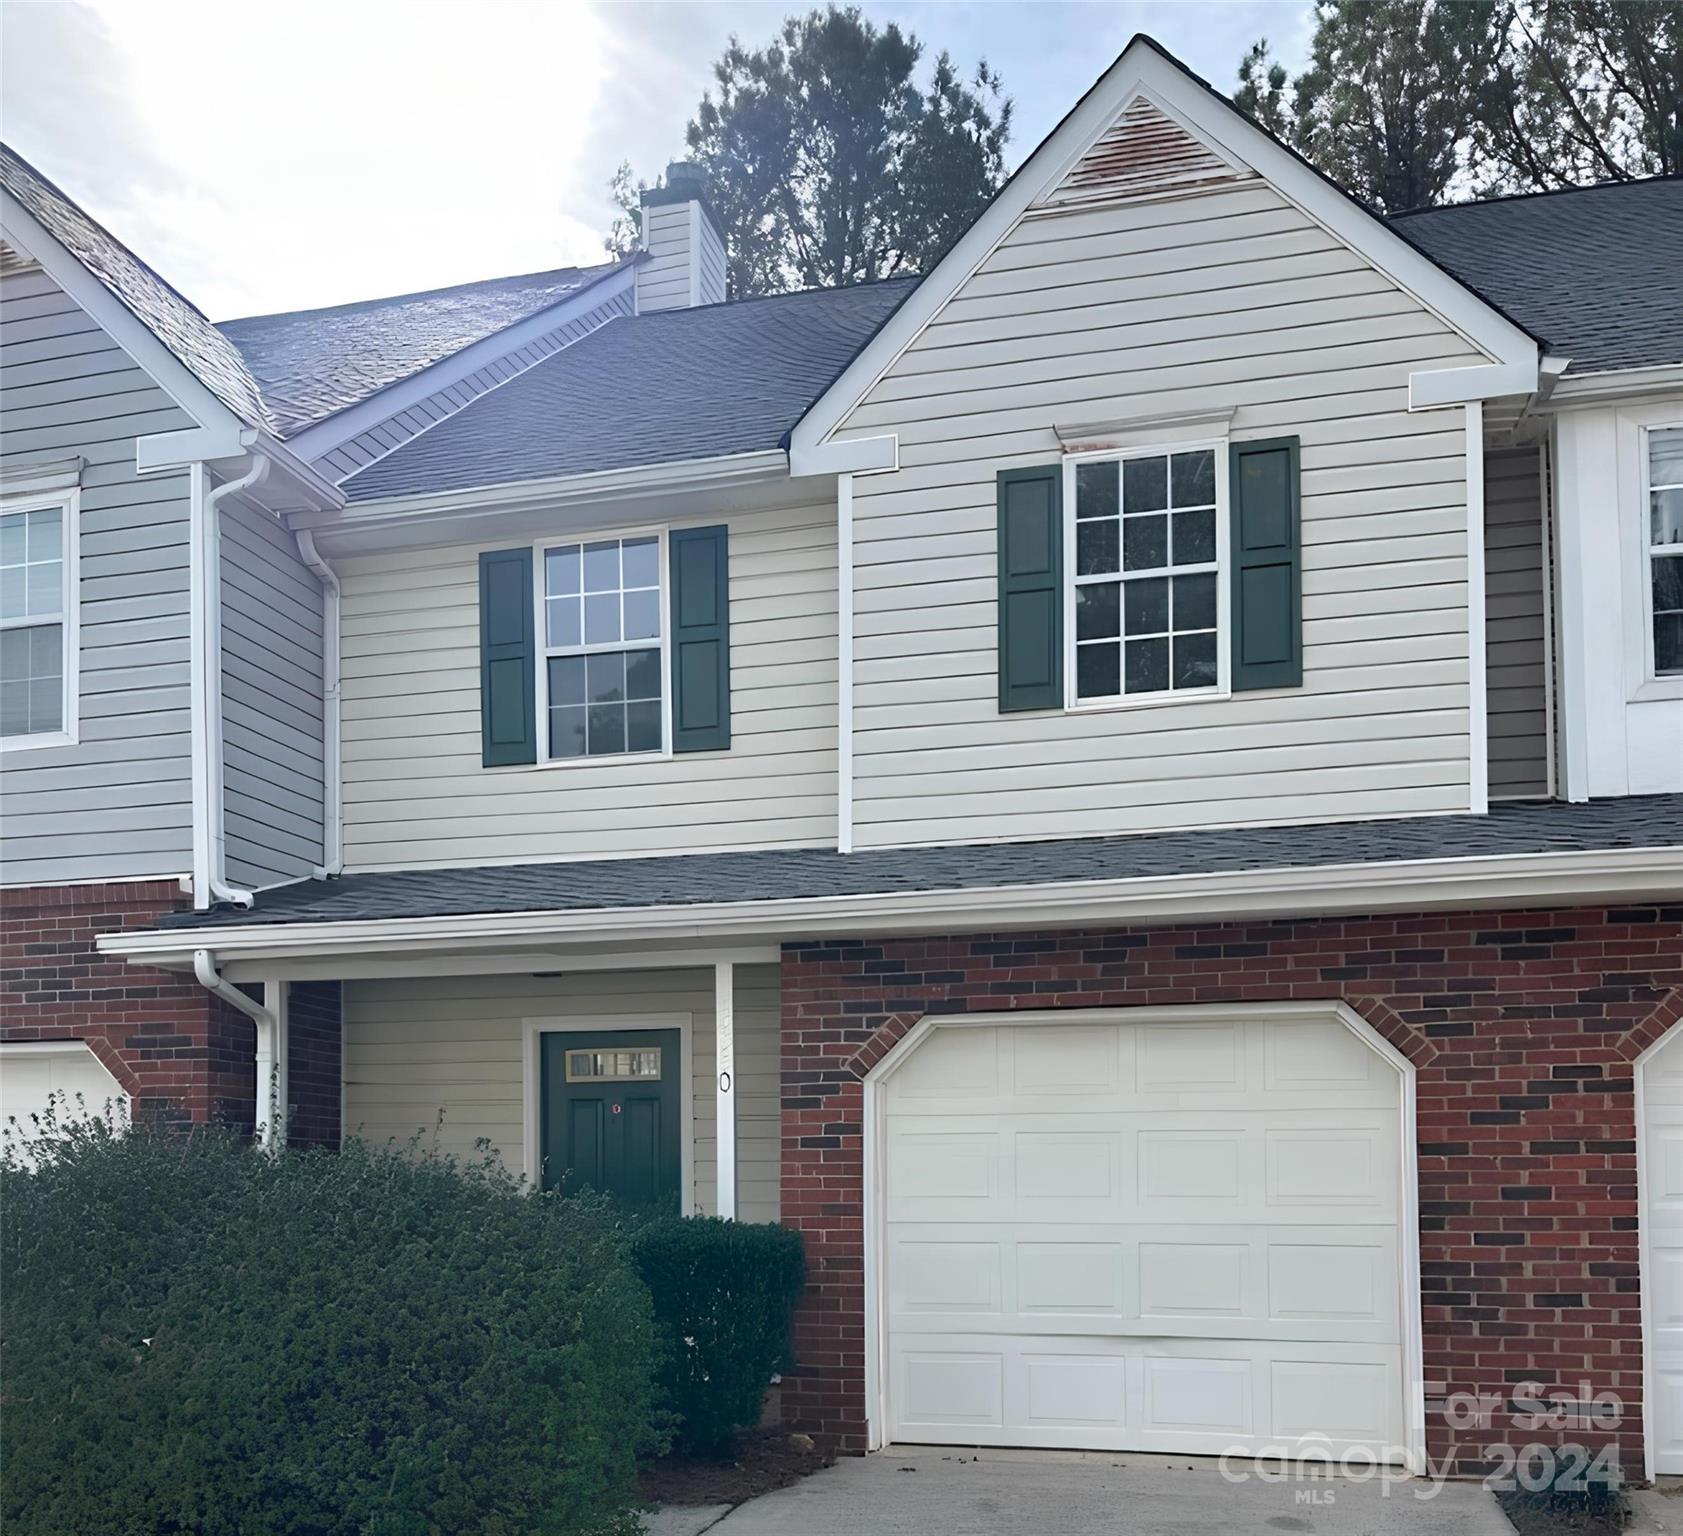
x: 1522, y: 1027
x: 181, y: 1054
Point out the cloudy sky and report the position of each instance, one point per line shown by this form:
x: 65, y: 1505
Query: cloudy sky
x: 269, y: 157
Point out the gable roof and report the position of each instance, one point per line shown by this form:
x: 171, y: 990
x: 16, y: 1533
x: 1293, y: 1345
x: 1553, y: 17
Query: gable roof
x: 647, y: 389
x: 176, y: 322
x: 313, y: 363
x: 1584, y: 266
x: 1146, y: 71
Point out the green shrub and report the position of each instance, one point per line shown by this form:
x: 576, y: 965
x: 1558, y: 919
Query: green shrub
x: 724, y: 1293
x: 201, y: 1338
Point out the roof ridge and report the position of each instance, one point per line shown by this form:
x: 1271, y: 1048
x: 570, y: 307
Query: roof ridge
x: 1542, y: 192
x: 788, y: 293
x: 601, y: 269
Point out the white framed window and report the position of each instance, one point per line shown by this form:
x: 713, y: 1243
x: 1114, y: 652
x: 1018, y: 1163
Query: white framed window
x: 1662, y: 468
x: 38, y: 611
x: 1145, y: 556
x: 602, y: 679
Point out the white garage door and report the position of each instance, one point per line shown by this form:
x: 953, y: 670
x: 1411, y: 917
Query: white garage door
x: 32, y: 1073
x: 1662, y: 1231
x: 1157, y: 1235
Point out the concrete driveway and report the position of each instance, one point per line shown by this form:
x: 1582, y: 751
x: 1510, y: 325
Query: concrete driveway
x: 939, y: 1491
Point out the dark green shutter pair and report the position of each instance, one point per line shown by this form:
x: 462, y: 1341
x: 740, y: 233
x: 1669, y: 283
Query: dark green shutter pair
x: 698, y: 561
x: 1264, y: 552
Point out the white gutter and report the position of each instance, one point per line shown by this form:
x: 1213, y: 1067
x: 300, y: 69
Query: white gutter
x: 332, y: 770
x: 1399, y: 885
x: 269, y: 1052
x: 205, y: 647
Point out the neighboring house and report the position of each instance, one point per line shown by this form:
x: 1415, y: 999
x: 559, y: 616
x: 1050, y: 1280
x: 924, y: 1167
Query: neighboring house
x: 1131, y: 789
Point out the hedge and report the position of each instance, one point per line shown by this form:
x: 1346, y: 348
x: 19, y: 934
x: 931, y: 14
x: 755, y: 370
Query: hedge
x: 724, y: 1296
x: 200, y: 1337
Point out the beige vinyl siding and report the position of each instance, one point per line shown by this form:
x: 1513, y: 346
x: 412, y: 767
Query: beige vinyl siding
x: 415, y: 793
x: 119, y: 802
x: 416, y: 1049
x: 1513, y: 563
x: 1229, y: 300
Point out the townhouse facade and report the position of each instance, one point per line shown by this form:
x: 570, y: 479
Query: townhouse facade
x: 1131, y: 788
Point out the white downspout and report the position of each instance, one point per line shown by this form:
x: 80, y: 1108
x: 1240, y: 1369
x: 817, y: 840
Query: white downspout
x: 844, y: 663
x: 205, y: 649
x: 271, y: 1043
x: 332, y: 814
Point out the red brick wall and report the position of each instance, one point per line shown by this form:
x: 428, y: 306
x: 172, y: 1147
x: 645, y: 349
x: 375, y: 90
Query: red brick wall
x: 1522, y: 1027
x: 179, y: 1052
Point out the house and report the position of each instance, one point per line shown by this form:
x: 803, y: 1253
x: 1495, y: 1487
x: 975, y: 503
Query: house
x: 1131, y: 788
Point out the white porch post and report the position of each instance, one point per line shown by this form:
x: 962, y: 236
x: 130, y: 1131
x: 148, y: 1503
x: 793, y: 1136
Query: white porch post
x: 272, y: 1053
x: 724, y: 1034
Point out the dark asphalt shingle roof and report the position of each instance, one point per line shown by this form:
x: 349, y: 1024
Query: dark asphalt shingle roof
x: 208, y: 355
x: 650, y: 389
x: 312, y: 363
x: 1597, y: 272
x: 1650, y: 821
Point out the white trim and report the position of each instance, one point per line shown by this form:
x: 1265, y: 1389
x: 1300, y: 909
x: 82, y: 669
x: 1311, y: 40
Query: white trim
x: 322, y: 437
x: 1647, y: 680
x: 1408, y: 1213
x: 1478, y: 700
x: 161, y: 451
x: 1388, y: 886
x: 724, y: 471
x: 532, y: 1030
x: 1551, y: 726
x: 544, y: 651
x: 1157, y: 429
x: 518, y: 963
x: 695, y: 253
x: 724, y: 1088
x: 68, y: 504
x: 1644, y: 1256
x: 1434, y: 387
x: 1068, y: 579
x: 64, y: 1047
x: 844, y: 663
x: 1615, y: 385
x: 851, y: 455
x: 181, y: 878
x: 43, y: 477
x: 1145, y: 70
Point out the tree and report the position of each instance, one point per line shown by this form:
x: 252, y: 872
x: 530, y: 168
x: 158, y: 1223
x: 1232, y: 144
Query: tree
x: 827, y: 162
x: 1585, y: 90
x: 621, y: 238
x: 1403, y: 98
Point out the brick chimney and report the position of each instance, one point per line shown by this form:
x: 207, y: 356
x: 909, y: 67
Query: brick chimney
x: 686, y: 261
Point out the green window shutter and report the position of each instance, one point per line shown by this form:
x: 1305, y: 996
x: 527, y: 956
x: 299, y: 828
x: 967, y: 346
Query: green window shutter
x: 1031, y: 599
x: 507, y: 659
x: 1267, y: 555
x: 700, y: 573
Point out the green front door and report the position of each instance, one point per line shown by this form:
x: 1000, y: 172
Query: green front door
x: 610, y: 1114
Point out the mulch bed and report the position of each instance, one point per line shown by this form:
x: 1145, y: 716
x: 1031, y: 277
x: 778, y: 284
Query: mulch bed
x: 1543, y: 1514
x: 763, y: 1459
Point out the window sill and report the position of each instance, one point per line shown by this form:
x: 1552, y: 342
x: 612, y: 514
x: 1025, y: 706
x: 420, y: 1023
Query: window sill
x: 1667, y: 687
x: 1145, y: 701
x: 10, y: 744
x: 603, y: 760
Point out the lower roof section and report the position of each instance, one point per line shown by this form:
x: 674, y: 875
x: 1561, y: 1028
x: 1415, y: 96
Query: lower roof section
x: 1511, y: 831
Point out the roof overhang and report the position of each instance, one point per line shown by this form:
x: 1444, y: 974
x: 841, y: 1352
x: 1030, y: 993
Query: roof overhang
x: 1145, y: 70
x: 1615, y: 385
x: 1506, y: 880
x: 686, y: 488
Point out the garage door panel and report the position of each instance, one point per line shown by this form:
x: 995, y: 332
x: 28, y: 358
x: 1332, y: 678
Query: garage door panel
x: 1662, y: 1224
x: 1173, y: 1237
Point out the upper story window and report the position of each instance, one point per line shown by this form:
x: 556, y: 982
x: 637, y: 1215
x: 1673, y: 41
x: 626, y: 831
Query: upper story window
x: 1665, y: 546
x: 602, y: 682
x: 1144, y: 585
x: 37, y: 621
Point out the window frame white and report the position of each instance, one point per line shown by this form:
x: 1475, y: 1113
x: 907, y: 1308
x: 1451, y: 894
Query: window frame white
x: 1651, y: 674
x: 543, y: 651
x: 1222, y: 567
x: 68, y: 503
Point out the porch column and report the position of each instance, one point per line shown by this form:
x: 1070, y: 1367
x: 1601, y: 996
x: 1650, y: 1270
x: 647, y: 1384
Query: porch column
x: 724, y: 1034
x: 272, y: 1053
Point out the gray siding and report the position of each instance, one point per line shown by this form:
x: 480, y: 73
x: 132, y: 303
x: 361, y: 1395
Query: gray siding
x: 415, y: 794
x: 271, y: 703
x: 380, y: 439
x: 452, y: 1046
x: 1513, y: 543
x: 664, y: 279
x: 119, y: 802
x: 1229, y: 300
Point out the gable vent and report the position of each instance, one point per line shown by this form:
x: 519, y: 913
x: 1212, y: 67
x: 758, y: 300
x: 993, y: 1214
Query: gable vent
x: 13, y: 260
x: 1144, y: 153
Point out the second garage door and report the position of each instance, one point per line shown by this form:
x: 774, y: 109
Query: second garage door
x: 1180, y: 1234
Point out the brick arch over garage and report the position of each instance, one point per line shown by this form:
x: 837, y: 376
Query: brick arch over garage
x: 1517, y: 1024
